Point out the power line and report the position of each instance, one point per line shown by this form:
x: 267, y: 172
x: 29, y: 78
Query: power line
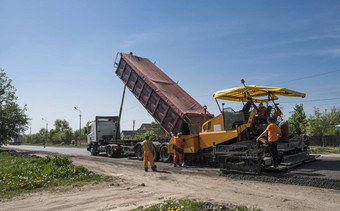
x: 315, y: 100
x: 311, y: 76
x: 287, y: 81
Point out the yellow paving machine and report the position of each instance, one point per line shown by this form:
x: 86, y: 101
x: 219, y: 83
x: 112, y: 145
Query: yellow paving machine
x: 229, y: 139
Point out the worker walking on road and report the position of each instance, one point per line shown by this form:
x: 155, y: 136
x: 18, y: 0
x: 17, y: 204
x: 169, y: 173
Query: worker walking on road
x: 148, y: 155
x: 273, y: 136
x: 178, y: 149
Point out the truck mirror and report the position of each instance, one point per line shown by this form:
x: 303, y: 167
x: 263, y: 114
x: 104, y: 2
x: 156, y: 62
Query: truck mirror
x: 86, y: 130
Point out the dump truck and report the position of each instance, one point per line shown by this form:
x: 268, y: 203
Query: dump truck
x: 227, y: 140
x: 171, y: 107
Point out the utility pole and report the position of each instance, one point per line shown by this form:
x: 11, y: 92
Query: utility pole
x: 45, y: 142
x: 79, y: 125
x: 133, y: 128
x: 30, y: 135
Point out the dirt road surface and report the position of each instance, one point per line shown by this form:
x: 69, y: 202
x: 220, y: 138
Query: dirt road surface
x: 132, y: 187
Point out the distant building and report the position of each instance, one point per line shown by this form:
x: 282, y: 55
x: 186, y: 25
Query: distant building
x: 146, y: 127
x: 127, y: 134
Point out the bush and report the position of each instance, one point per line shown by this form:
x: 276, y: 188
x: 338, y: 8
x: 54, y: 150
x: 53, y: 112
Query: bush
x: 73, y: 143
x: 62, y: 144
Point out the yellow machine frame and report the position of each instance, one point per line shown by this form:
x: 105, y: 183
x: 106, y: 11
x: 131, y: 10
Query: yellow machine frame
x: 212, y: 131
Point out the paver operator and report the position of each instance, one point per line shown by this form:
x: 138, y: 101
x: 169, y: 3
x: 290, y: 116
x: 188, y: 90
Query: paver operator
x: 273, y: 136
x: 148, y: 155
x: 178, y: 149
x: 262, y: 109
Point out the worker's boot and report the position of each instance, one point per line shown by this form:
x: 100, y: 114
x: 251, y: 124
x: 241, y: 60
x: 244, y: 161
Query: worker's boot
x: 175, y: 164
x: 180, y: 165
x: 154, y: 168
x: 145, y: 169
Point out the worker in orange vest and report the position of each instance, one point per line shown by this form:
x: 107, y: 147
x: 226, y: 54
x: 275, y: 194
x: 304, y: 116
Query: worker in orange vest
x: 262, y: 109
x: 273, y: 137
x: 148, y: 155
x: 178, y: 149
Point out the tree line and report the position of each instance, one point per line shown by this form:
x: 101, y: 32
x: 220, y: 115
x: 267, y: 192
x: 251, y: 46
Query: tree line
x: 317, y: 124
x: 62, y: 134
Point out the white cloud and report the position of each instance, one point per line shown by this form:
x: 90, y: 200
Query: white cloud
x: 333, y: 52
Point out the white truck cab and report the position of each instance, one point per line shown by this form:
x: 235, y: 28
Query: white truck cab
x: 101, y: 131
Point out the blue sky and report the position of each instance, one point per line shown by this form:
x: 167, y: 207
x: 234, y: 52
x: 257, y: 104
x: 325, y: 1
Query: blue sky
x: 60, y: 54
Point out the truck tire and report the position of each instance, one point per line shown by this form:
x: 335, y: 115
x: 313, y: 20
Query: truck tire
x: 93, y: 150
x: 109, y: 151
x: 155, y: 155
x: 139, y: 152
x: 163, y: 154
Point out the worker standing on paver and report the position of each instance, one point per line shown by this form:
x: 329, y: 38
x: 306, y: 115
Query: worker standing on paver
x: 178, y: 149
x: 262, y: 109
x: 148, y: 155
x: 273, y: 136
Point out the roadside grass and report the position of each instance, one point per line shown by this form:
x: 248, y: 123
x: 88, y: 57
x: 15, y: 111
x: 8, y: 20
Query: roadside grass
x: 323, y: 150
x: 30, y: 174
x: 172, y: 205
x: 190, y: 205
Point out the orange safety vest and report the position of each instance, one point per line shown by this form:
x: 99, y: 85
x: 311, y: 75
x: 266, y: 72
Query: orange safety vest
x: 178, y: 145
x: 273, y: 131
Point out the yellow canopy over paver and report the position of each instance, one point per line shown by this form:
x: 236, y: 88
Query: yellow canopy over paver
x: 240, y: 93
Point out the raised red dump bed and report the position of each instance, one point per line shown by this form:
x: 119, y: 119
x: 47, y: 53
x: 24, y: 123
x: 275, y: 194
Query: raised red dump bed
x: 173, y: 108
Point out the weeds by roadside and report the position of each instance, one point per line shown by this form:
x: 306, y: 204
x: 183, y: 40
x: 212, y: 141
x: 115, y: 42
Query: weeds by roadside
x: 172, y: 205
x: 24, y: 174
x: 192, y: 205
x: 323, y: 150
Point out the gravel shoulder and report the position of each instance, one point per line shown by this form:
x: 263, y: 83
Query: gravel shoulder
x: 132, y: 187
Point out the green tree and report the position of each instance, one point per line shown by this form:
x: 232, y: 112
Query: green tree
x: 83, y: 134
x: 323, y: 123
x: 13, y: 119
x: 298, y: 120
x: 61, y: 125
x: 152, y: 135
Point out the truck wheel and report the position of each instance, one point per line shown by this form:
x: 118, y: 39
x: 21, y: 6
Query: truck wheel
x: 93, y: 151
x: 163, y: 154
x: 139, y: 152
x: 155, y: 155
x: 109, y: 151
